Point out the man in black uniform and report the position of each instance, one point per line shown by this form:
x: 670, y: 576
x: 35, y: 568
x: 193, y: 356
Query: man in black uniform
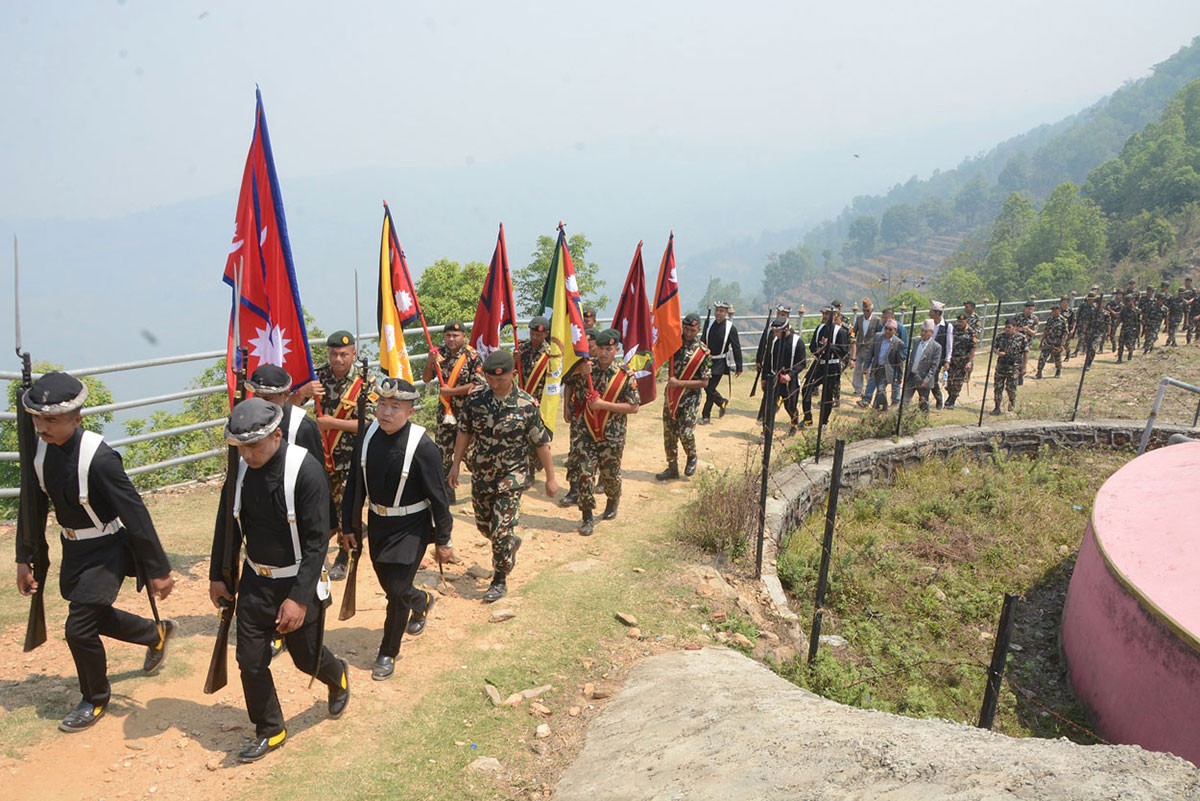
x: 107, y: 535
x: 273, y: 384
x: 829, y: 343
x: 282, y: 510
x: 785, y: 363
x: 409, y: 508
x: 726, y: 349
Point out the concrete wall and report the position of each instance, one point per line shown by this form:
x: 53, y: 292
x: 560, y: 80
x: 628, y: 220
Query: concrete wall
x: 799, y: 490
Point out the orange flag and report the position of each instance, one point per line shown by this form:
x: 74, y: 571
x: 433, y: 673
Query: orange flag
x: 668, y: 327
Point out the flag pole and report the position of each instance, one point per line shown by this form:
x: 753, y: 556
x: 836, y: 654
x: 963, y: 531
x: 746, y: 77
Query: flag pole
x: 509, y: 297
x: 417, y: 302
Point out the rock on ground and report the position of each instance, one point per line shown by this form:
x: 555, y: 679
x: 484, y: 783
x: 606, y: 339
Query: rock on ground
x: 713, y: 724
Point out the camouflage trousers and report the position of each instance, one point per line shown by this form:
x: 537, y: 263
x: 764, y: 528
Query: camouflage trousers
x: 955, y: 376
x: 575, y: 453
x: 1092, y: 343
x: 444, y: 436
x: 1128, y: 343
x: 1173, y: 324
x: 1050, y: 353
x: 604, y: 456
x: 496, y: 506
x: 1006, y: 381
x: 680, y: 430
x: 337, y: 488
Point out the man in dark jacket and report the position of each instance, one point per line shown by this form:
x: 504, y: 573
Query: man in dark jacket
x: 107, y: 535
x: 726, y: 350
x: 885, y: 365
x: 784, y: 366
x: 409, y: 508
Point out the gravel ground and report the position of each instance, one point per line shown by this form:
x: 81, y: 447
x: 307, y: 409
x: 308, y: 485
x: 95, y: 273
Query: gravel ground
x: 713, y: 724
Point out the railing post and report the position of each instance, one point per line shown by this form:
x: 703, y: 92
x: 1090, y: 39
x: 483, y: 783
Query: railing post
x: 835, y: 484
x: 991, y: 692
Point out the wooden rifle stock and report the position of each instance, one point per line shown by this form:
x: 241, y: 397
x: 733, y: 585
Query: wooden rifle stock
x: 218, y: 671
x: 761, y: 357
x: 350, y: 595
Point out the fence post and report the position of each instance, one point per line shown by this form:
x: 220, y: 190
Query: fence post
x: 768, y: 436
x: 991, y: 692
x: 987, y: 377
x: 912, y: 347
x: 835, y: 484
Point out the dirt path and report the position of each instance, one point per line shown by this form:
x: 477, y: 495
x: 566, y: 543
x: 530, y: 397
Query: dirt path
x: 164, y: 738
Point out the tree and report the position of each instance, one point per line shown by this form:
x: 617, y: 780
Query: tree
x: 449, y: 291
x: 937, y: 214
x: 972, y: 200
x: 862, y: 237
x: 960, y: 284
x: 908, y: 299
x: 1065, y: 273
x: 724, y: 291
x: 826, y: 258
x: 785, y: 271
x: 900, y: 223
x: 529, y: 280
x: 1015, y: 175
x: 1066, y: 224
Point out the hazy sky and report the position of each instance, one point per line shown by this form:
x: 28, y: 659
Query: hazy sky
x: 112, y: 107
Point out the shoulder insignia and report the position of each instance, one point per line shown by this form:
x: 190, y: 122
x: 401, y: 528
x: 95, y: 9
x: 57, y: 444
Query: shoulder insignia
x: 372, y: 397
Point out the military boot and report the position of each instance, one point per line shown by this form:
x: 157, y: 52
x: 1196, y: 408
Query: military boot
x: 690, y: 468
x: 610, y: 508
x: 497, y: 589
x: 671, y: 472
x: 571, y: 498
x: 588, y: 525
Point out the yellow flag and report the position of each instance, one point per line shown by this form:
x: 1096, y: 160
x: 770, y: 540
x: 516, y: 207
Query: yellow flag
x: 568, y: 343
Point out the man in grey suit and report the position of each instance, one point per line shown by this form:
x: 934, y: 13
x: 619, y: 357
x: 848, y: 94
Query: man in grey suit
x: 866, y: 330
x: 924, y: 365
x: 885, y: 365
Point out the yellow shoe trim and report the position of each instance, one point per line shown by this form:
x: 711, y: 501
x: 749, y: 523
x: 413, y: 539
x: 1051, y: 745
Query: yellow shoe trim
x: 277, y: 739
x: 162, y: 636
x: 97, y: 711
x: 344, y: 679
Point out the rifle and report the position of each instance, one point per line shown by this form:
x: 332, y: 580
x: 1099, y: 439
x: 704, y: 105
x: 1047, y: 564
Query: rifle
x: 32, y: 530
x: 761, y: 357
x: 350, y: 597
x: 218, y: 674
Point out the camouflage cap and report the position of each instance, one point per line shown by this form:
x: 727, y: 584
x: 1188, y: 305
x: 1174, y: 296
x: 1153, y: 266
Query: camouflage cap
x: 453, y: 325
x: 691, y: 319
x: 498, y: 362
x: 539, y: 324
x: 339, y: 339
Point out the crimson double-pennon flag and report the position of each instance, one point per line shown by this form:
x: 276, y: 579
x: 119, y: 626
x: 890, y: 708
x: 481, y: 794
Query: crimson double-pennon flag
x: 633, y: 321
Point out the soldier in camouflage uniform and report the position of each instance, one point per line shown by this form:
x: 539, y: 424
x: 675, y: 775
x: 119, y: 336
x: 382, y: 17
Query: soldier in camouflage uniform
x: 603, y: 454
x: 337, y: 411
x: 1010, y: 344
x: 681, y: 427
x: 573, y: 406
x: 1027, y: 324
x: 1054, y: 342
x: 1090, y: 322
x: 1176, y: 308
x: 974, y: 321
x: 529, y: 355
x: 1144, y: 302
x: 1130, y: 321
x: 960, y: 358
x: 1152, y: 321
x: 1112, y: 319
x: 502, y: 421
x: 1068, y: 314
x: 468, y: 379
x: 1191, y: 314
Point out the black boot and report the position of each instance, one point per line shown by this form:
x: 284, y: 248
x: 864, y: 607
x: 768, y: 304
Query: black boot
x: 497, y: 589
x: 83, y: 716
x: 383, y: 668
x: 996, y: 410
x: 157, y: 654
x: 416, y: 623
x: 338, y: 571
x: 689, y: 469
x: 610, y: 509
x: 571, y: 498
x: 671, y: 472
x: 339, y: 695
x: 588, y: 525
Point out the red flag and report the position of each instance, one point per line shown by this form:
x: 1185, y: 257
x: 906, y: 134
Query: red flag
x: 271, y: 320
x: 633, y: 322
x: 495, y: 308
x: 668, y: 327
x: 396, y: 305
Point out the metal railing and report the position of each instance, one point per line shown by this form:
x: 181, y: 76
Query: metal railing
x: 1158, y: 399
x: 806, y: 322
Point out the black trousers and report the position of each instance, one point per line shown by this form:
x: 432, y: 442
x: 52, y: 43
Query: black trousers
x: 817, y: 376
x: 712, y: 392
x: 258, y: 605
x: 402, y: 599
x: 86, y: 624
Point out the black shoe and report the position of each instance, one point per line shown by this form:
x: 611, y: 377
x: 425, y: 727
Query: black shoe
x: 516, y: 547
x: 259, y: 747
x: 949, y: 405
x: 157, y: 654
x: 82, y: 717
x: 995, y: 411
x: 383, y: 668
x: 792, y: 429
x: 1058, y: 373
x: 807, y: 422
x: 340, y: 696
x: 1021, y: 381
x: 416, y: 623
x: 497, y: 590
x: 671, y: 472
x: 939, y: 406
x: 689, y: 469
x: 337, y: 572
x: 588, y: 525
x: 278, y: 646
x: 610, y: 509
x: 721, y: 409
x: 571, y: 498
x: 704, y: 421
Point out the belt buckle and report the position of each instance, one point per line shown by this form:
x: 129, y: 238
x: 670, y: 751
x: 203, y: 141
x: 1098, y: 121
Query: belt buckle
x: 69, y: 533
x: 265, y: 572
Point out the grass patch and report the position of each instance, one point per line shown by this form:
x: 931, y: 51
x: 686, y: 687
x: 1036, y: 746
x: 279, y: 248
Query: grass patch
x: 871, y: 424
x: 722, y: 516
x: 919, y: 569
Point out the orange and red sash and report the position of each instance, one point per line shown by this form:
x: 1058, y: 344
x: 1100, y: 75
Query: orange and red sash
x: 675, y: 394
x: 346, y: 408
x: 597, y: 420
x: 537, y: 373
x: 452, y: 380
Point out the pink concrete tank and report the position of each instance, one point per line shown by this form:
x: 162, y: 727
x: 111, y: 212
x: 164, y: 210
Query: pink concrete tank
x: 1132, y: 616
